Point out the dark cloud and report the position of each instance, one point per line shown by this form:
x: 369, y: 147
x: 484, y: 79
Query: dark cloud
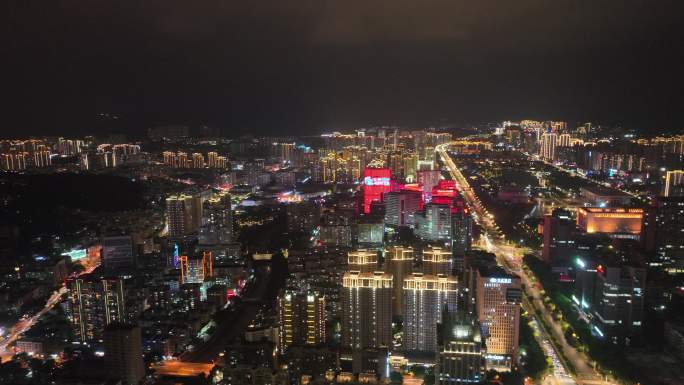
x: 272, y: 66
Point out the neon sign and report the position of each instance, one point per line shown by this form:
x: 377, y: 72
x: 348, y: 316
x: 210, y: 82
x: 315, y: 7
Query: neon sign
x: 500, y: 280
x: 77, y: 254
x: 376, y: 181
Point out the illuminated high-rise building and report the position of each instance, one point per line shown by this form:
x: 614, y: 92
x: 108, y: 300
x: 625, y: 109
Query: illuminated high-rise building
x: 395, y: 160
x: 13, y: 161
x: 428, y: 178
x: 196, y: 269
x: 434, y: 223
x: 42, y: 158
x: 183, y: 214
x: 618, y: 303
x: 674, y: 184
x: 284, y: 151
x: 399, y: 262
x: 564, y: 140
x: 400, y: 207
x: 217, y: 221
x: 182, y: 160
x: 301, y: 319
x: 665, y: 237
x: 547, y: 146
x: 410, y: 172
x: 425, y: 299
x: 437, y: 261
x: 197, y: 160
x: 461, y: 353
x: 362, y: 260
x: 498, y: 298
x: 212, y: 158
x: 461, y: 235
x: 558, y: 233
x: 170, y: 158
x: 366, y: 310
x: 94, y: 303
x: 376, y: 182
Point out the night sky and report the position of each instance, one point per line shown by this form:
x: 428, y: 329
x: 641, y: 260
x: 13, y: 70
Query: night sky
x: 274, y: 67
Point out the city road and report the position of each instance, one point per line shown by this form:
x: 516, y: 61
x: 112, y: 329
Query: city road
x: 23, y: 325
x: 510, y: 257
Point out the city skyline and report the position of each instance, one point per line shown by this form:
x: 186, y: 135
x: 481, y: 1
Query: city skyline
x: 366, y: 192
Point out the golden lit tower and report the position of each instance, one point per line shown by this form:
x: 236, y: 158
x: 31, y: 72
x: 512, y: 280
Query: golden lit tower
x: 498, y: 309
x: 366, y: 310
x: 301, y: 319
x: 365, y: 261
x: 436, y: 260
x: 425, y: 298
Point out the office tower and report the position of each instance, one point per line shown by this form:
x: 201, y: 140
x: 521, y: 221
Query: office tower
x: 498, y: 309
x: 434, y: 223
x: 665, y: 236
x: 436, y: 261
x: 547, y: 148
x: 371, y: 231
x: 301, y: 319
x: 362, y: 260
x: 183, y: 215
x: 461, y: 352
x: 559, y: 241
x: 619, y: 300
x: 674, y: 184
x: 117, y: 254
x: 366, y: 310
x: 400, y: 207
x: 425, y: 298
x: 94, y: 303
x: 217, y: 221
x: 123, y: 353
x: 399, y: 263
x: 376, y: 182
x: 461, y: 235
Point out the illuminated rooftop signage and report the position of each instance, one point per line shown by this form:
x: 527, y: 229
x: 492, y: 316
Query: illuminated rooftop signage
x: 500, y: 280
x: 376, y: 181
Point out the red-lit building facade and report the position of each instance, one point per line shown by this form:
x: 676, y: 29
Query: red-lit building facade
x: 376, y: 181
